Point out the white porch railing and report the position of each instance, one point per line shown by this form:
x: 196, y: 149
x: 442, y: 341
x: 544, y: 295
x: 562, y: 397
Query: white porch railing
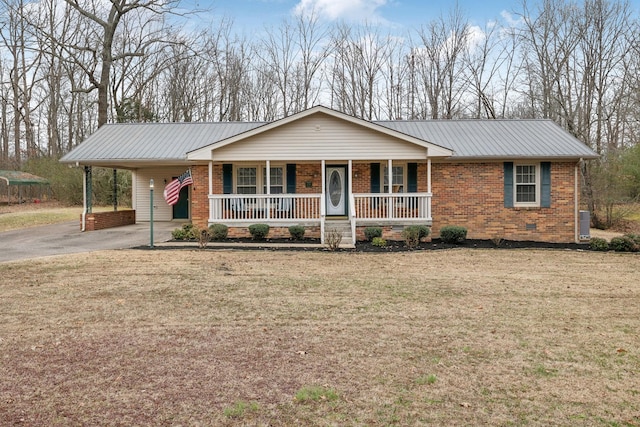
x: 397, y: 206
x: 308, y: 207
x: 263, y: 207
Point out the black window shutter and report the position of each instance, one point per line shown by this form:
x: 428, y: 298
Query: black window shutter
x: 375, y: 177
x: 291, y: 178
x: 508, y: 184
x: 412, y: 177
x: 227, y: 178
x: 545, y: 181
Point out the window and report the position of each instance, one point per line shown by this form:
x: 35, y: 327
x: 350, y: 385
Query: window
x: 526, y: 185
x: 246, y: 181
x: 277, y: 180
x: 397, y: 176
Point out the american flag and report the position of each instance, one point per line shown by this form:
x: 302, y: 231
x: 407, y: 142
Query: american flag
x: 172, y: 190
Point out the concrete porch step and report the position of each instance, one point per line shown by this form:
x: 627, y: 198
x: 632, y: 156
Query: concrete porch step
x: 343, y: 227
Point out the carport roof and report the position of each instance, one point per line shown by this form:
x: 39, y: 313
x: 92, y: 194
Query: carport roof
x: 22, y: 178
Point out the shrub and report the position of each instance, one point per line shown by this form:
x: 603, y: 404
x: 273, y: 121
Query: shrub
x: 453, y: 234
x: 296, y: 232
x: 259, y: 231
x: 186, y: 232
x: 623, y: 244
x: 203, y: 237
x: 424, y: 231
x: 333, y: 238
x: 218, y: 231
x: 371, y: 233
x: 634, y: 237
x: 598, y: 244
x: 412, y: 235
x: 379, y: 242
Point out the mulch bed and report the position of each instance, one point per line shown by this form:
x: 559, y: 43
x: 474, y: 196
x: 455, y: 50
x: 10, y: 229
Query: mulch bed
x: 400, y: 246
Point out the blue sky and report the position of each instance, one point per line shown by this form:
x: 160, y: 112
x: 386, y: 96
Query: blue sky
x: 254, y: 15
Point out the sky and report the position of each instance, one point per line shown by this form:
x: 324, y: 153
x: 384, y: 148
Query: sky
x: 254, y: 16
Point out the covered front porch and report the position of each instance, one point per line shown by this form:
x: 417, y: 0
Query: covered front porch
x: 406, y: 201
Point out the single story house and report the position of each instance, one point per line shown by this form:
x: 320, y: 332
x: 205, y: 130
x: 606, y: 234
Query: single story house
x: 325, y: 170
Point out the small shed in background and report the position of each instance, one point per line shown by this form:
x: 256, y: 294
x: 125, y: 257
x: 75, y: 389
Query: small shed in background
x: 21, y: 186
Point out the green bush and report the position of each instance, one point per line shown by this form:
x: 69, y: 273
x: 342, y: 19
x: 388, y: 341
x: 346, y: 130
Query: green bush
x: 623, y: 244
x: 634, y: 237
x: 297, y: 232
x: 259, y: 231
x: 379, y: 242
x: 453, y: 234
x: 424, y: 231
x: 186, y: 232
x: 412, y: 235
x: 598, y: 244
x: 371, y: 233
x: 218, y: 231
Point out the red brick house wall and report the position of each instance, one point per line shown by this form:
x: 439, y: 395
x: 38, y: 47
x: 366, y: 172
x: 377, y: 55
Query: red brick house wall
x: 467, y: 194
x: 472, y: 195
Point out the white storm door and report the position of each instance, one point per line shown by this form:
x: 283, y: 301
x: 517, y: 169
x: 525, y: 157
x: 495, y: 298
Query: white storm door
x: 336, y: 190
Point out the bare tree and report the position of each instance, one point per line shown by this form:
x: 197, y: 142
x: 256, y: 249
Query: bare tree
x: 104, y: 25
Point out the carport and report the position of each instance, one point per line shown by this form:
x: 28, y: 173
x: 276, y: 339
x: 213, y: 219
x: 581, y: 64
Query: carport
x: 21, y: 185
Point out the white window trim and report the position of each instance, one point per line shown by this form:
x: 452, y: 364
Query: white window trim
x: 538, y: 185
x: 260, y: 184
x: 404, y: 177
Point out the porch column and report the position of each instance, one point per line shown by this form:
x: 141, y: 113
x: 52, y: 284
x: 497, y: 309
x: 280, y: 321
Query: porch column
x: 390, y: 190
x: 268, y: 204
x: 429, y: 189
x: 210, y: 177
x: 324, y: 189
x: 268, y: 177
x: 350, y: 187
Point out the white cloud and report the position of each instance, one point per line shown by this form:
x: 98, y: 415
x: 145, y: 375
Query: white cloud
x: 350, y: 10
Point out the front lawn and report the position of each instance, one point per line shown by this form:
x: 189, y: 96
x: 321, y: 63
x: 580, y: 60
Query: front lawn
x: 221, y: 337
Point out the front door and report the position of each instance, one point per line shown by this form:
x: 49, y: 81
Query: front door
x: 181, y: 208
x: 336, y: 190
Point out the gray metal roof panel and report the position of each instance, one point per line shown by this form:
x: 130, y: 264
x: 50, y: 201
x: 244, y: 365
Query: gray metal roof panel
x: 153, y: 141
x: 496, y: 138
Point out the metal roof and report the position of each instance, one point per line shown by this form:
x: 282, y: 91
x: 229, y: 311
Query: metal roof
x: 133, y: 144
x: 504, y: 139
x: 22, y: 178
x: 122, y: 143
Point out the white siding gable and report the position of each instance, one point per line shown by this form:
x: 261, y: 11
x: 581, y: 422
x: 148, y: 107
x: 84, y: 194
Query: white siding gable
x: 318, y: 137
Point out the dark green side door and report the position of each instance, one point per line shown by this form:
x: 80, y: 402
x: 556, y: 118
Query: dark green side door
x: 181, y: 209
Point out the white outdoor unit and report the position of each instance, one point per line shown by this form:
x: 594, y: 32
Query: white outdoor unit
x: 585, y: 225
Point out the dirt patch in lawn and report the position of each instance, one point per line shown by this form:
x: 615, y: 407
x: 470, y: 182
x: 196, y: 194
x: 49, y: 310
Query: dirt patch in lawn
x: 226, y: 337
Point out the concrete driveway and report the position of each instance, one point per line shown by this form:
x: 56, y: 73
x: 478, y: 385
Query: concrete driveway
x: 66, y: 238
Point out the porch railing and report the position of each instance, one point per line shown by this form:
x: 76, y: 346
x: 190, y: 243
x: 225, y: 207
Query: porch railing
x: 264, y: 207
x: 414, y: 206
x: 308, y: 207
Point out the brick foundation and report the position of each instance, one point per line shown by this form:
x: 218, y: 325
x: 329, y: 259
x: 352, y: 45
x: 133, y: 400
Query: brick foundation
x: 101, y: 220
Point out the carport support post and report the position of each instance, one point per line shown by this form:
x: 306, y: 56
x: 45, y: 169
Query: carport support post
x: 115, y: 190
x: 88, y: 197
x: 151, y: 212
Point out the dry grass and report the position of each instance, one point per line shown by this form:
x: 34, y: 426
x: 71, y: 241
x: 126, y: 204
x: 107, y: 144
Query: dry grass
x: 18, y: 216
x: 201, y: 337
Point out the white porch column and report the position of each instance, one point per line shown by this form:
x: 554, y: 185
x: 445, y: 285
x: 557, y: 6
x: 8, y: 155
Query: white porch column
x: 429, y: 189
x: 350, y: 167
x: 324, y: 189
x: 390, y: 176
x: 210, y: 177
x: 268, y: 177
x: 390, y: 190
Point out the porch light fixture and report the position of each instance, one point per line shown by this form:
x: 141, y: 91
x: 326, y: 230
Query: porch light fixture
x: 151, y: 212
